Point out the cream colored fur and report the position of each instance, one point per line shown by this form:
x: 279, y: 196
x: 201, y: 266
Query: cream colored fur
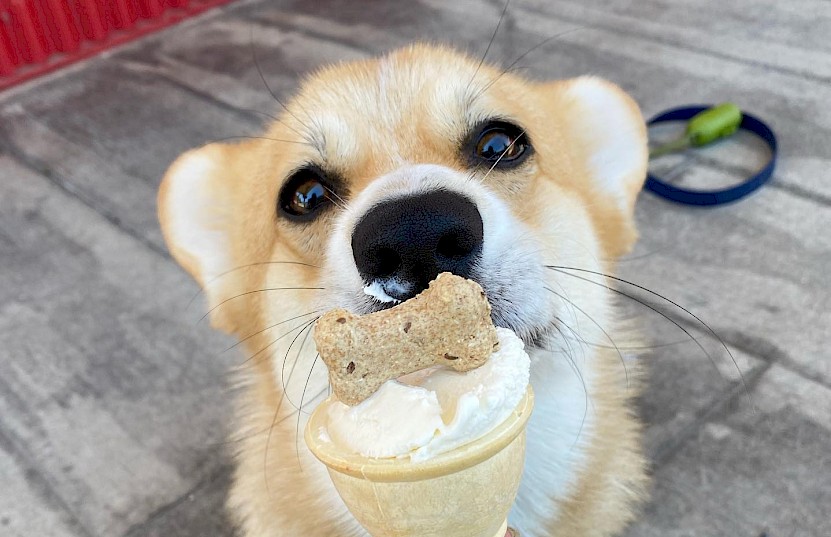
x: 389, y: 126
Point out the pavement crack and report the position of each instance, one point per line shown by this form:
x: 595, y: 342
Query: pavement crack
x: 39, y: 483
x: 802, y: 192
x: 721, y: 405
x: 684, y: 46
x: 138, y: 530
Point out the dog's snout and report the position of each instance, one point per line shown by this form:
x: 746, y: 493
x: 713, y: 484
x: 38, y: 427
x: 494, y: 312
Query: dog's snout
x: 405, y: 243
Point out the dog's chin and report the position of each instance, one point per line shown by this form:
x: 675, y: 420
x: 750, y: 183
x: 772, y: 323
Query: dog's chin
x: 532, y: 335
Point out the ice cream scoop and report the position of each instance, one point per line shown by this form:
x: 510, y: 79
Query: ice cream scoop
x: 435, y: 410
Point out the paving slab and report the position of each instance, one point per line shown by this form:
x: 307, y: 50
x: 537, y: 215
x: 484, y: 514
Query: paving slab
x: 240, y: 62
x: 755, y: 271
x: 763, y: 469
x: 109, y: 390
x: 687, y: 383
x: 125, y: 129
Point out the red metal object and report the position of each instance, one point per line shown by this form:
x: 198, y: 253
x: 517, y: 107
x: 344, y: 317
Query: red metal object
x: 60, y: 25
x: 93, y: 24
x: 38, y: 36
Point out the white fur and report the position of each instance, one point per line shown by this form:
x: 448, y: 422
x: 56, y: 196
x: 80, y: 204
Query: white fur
x: 387, y: 74
x: 198, y: 225
x: 341, y: 144
x: 558, y: 434
x: 608, y: 121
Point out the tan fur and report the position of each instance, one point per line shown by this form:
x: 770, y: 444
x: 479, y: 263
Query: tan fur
x: 386, y: 128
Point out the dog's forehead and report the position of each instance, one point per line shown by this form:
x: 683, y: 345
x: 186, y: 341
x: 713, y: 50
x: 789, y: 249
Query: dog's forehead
x: 402, y: 85
x: 399, y: 105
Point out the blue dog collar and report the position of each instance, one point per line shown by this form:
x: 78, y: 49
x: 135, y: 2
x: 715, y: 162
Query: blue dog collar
x: 714, y: 197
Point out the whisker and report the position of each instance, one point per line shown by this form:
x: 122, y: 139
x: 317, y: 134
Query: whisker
x: 512, y: 65
x: 657, y: 311
x: 505, y: 152
x: 304, y: 388
x: 283, y: 381
x: 319, y: 135
x: 337, y: 196
x: 490, y: 44
x: 634, y: 347
x: 260, y: 291
x: 238, y: 439
x: 581, y: 339
x: 570, y: 306
x: 573, y: 365
x: 639, y: 257
x: 271, y: 92
x: 253, y: 137
x: 589, y: 317
x: 300, y: 411
x: 338, y: 201
x: 221, y: 274
x: 577, y: 338
x: 243, y: 340
x: 565, y: 339
x: 564, y: 270
x: 300, y: 326
x: 274, y: 423
x: 266, y: 114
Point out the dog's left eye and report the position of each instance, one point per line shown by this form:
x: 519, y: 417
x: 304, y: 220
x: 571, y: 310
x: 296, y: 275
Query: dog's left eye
x: 500, y: 143
x: 304, y: 194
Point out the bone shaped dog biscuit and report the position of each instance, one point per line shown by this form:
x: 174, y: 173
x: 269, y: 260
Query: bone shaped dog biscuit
x: 447, y: 324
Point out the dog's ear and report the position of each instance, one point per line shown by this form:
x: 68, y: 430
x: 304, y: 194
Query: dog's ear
x: 610, y: 130
x: 607, y: 134
x: 194, y: 204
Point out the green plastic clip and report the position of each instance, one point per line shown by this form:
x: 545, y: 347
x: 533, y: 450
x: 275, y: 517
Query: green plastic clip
x: 704, y: 128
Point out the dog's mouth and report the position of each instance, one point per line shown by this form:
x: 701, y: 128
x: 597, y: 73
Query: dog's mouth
x: 503, y: 312
x: 387, y: 293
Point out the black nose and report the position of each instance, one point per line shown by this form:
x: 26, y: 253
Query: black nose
x: 411, y: 240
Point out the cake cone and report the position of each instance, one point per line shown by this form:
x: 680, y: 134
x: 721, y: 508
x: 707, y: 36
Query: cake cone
x: 466, y: 492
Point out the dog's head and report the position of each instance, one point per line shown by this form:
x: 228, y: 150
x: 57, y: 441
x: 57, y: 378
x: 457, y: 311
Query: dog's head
x: 383, y: 173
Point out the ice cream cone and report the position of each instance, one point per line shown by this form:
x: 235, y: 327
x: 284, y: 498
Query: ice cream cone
x: 466, y: 492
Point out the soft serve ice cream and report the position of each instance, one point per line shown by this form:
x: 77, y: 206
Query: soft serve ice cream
x: 435, y: 410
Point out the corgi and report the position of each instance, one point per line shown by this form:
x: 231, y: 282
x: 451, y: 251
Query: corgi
x: 377, y: 176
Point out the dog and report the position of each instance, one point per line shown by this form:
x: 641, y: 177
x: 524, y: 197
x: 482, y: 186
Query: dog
x: 377, y: 176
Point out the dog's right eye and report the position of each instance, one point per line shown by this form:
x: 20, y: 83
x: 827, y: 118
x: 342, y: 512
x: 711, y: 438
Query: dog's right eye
x: 304, y: 194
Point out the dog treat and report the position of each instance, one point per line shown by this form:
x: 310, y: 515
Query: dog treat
x: 447, y: 324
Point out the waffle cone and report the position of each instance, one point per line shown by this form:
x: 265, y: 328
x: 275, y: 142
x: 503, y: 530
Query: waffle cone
x: 466, y: 492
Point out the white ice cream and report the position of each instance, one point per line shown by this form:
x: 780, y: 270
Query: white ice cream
x: 435, y: 410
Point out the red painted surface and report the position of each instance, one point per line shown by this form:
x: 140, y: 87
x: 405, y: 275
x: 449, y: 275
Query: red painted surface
x: 38, y: 36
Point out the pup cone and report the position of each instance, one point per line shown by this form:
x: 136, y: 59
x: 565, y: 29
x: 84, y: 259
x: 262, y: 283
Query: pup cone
x: 465, y: 492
